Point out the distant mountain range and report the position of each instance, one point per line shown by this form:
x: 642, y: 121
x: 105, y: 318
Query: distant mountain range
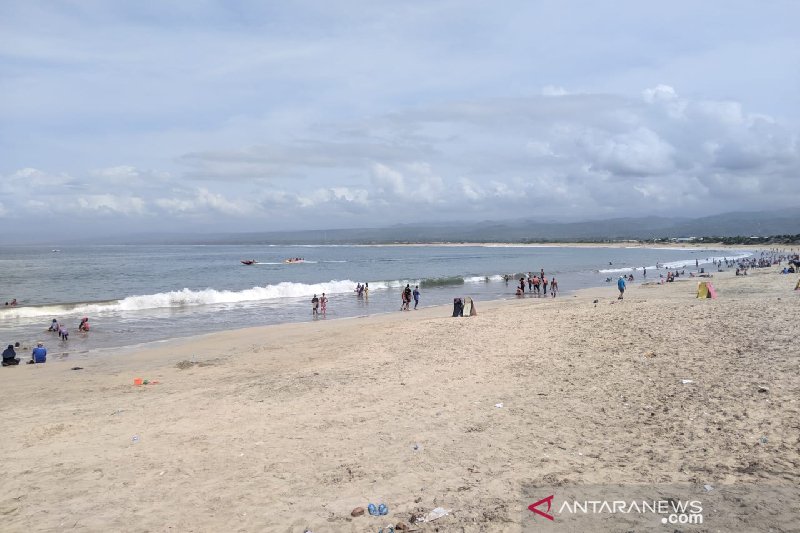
x: 742, y: 224
x: 758, y: 224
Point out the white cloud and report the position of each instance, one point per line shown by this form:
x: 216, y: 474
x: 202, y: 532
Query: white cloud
x: 129, y: 176
x: 203, y: 202
x: 343, y: 197
x: 109, y: 204
x: 388, y: 181
x: 659, y: 93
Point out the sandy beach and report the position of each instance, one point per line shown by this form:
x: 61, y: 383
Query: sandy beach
x: 291, y: 427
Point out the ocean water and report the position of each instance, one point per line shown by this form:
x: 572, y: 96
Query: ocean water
x: 139, y: 294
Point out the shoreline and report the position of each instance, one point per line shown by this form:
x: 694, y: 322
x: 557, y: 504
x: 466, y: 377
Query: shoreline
x: 192, y: 343
x: 584, y: 292
x: 88, y: 355
x: 100, y: 343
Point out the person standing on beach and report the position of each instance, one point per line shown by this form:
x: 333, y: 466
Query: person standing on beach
x: 544, y: 286
x: 621, y: 287
x: 314, y: 306
x: 407, y: 297
x: 522, y: 284
x: 416, y: 296
x: 530, y: 282
x: 536, y: 282
x: 63, y: 333
x: 323, y: 304
x: 366, y: 290
x: 553, y: 287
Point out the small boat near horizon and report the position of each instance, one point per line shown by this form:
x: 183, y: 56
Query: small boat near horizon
x: 249, y: 261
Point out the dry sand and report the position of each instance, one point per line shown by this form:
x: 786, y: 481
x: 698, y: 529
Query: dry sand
x: 289, y: 427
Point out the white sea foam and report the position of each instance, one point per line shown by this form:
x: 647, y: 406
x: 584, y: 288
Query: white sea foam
x: 187, y: 298
x: 681, y: 263
x: 481, y: 279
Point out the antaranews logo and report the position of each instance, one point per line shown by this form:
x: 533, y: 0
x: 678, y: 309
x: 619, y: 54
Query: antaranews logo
x: 574, y: 508
x: 549, y: 501
x: 659, y: 507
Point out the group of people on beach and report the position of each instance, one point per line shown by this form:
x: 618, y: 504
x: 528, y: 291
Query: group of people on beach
x: 61, y: 329
x: 537, y: 284
x: 406, y: 296
x: 38, y: 355
x: 319, y: 306
x: 362, y: 291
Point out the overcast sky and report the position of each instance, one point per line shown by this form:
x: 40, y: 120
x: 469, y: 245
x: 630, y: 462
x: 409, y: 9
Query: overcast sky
x: 253, y: 116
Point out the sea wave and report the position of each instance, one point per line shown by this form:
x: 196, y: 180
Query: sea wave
x: 680, y: 263
x: 443, y: 281
x: 185, y: 298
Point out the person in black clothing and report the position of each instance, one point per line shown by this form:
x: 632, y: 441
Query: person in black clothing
x: 10, y: 356
x: 406, y: 297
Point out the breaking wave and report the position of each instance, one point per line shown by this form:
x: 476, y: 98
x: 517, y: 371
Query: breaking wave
x: 681, y: 263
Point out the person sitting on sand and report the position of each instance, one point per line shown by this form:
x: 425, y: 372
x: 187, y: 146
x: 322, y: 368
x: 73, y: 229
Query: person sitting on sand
x: 39, y: 354
x: 10, y: 356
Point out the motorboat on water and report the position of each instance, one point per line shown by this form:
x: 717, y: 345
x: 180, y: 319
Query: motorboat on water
x: 249, y: 261
x: 294, y: 260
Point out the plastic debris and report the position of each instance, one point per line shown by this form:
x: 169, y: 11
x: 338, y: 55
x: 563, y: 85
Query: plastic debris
x: 686, y: 381
x: 135, y: 438
x: 436, y: 514
x: 498, y: 405
x: 708, y: 488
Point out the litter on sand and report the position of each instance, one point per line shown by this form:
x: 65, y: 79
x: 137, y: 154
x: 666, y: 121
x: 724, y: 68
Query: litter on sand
x: 498, y: 405
x: 436, y: 514
x: 686, y: 381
